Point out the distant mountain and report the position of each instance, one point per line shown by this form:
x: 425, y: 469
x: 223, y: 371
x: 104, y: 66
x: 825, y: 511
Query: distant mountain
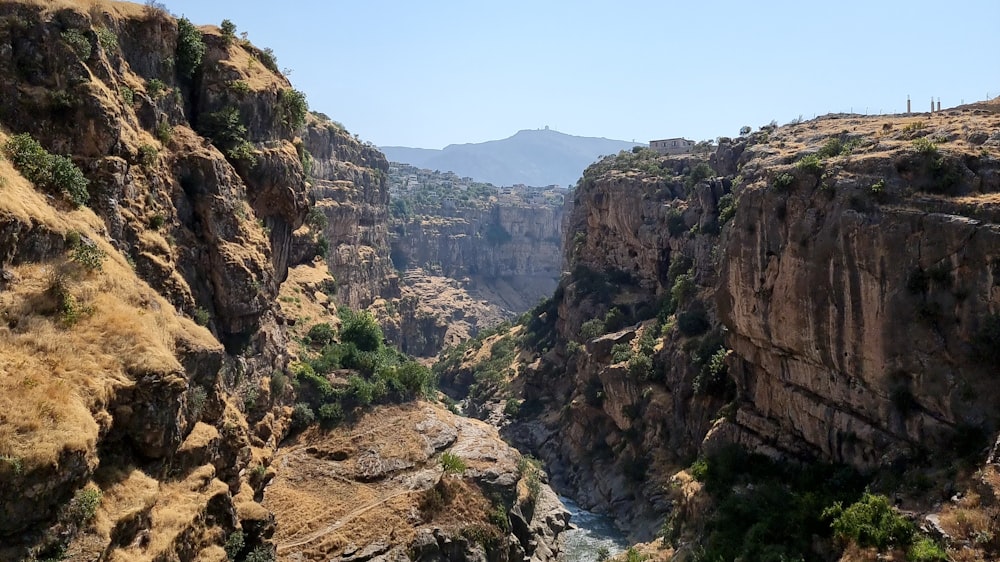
x: 533, y: 157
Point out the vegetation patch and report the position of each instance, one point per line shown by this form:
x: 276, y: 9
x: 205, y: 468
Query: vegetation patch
x: 53, y: 173
x: 381, y: 373
x: 292, y: 108
x: 767, y: 511
x: 190, y: 48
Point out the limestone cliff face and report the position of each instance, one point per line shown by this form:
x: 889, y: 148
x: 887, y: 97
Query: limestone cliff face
x: 349, y: 186
x: 824, y: 291
x: 856, y: 314
x: 510, y: 251
x: 614, y: 444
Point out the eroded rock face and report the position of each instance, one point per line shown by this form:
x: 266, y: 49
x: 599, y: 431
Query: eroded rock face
x: 510, y: 252
x: 853, y: 314
x: 150, y: 406
x: 349, y: 186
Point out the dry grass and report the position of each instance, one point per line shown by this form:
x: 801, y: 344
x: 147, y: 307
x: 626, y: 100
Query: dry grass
x: 115, y: 9
x: 323, y: 502
x: 179, y: 507
x: 55, y: 379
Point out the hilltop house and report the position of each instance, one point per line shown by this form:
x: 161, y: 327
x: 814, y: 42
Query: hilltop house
x: 672, y: 146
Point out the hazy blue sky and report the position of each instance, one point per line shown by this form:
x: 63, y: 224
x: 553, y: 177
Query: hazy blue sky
x: 431, y: 73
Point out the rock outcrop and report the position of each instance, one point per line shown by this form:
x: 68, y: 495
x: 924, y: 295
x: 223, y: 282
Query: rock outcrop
x: 411, y: 481
x: 349, y: 185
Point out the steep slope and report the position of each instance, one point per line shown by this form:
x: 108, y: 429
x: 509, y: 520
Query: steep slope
x: 151, y: 179
x: 531, y: 157
x: 823, y: 293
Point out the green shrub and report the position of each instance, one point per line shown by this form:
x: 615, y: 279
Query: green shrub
x: 128, y: 95
x: 239, y: 87
x: 48, y: 171
x: 693, y: 322
x: 278, y: 383
x: 190, y: 47
x: 675, y: 222
x: 316, y: 219
x: 926, y: 550
x: 243, y: 152
x: 164, y: 132
x: 591, y: 329
x: 699, y: 172
x: 727, y: 208
x: 89, y: 255
x: 148, y: 155
x: 227, y: 132
x: 360, y: 329
x: 621, y: 352
x: 261, y: 554
x: 452, y: 463
x: 268, y: 59
x: 783, y: 182
x: 107, y: 39
x: 831, y: 148
x: 201, y: 316
x: 330, y: 414
x: 871, y: 521
x: 640, y: 366
x: 78, y: 42
x: 196, y: 398
x: 633, y: 555
x: 228, y: 31
x: 234, y: 544
x: 811, y: 164
x: 512, y: 407
x: 925, y: 146
x: 292, y: 108
x: 68, y: 179
x: 155, y: 87
x: 683, y: 290
x: 83, y: 507
x: 614, y: 320
x: 711, y: 379
x: 302, y: 416
x: 321, y: 334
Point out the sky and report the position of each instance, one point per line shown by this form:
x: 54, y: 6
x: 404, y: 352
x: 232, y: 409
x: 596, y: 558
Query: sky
x: 436, y: 72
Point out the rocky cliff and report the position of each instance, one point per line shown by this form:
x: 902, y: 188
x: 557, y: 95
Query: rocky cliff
x: 349, y: 184
x: 822, y: 292
x: 153, y: 199
x: 500, y: 246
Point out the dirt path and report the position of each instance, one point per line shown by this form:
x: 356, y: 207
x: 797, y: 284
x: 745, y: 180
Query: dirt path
x: 347, y: 518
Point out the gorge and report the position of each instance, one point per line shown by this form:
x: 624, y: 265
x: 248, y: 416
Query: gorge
x: 208, y: 292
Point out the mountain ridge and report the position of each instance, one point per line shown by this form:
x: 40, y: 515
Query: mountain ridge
x: 530, y: 156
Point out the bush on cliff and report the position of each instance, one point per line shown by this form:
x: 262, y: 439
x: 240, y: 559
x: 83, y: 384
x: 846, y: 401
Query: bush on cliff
x: 768, y: 511
x: 190, y: 48
x: 53, y: 173
x: 292, y: 108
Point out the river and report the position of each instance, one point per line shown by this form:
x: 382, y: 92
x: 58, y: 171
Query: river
x: 591, y: 532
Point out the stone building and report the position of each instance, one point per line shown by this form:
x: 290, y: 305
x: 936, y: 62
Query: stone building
x: 672, y: 146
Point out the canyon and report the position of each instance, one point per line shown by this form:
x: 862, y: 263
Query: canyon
x: 196, y: 275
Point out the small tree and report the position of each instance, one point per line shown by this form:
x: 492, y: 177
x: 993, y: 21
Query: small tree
x: 228, y: 31
x: 190, y: 47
